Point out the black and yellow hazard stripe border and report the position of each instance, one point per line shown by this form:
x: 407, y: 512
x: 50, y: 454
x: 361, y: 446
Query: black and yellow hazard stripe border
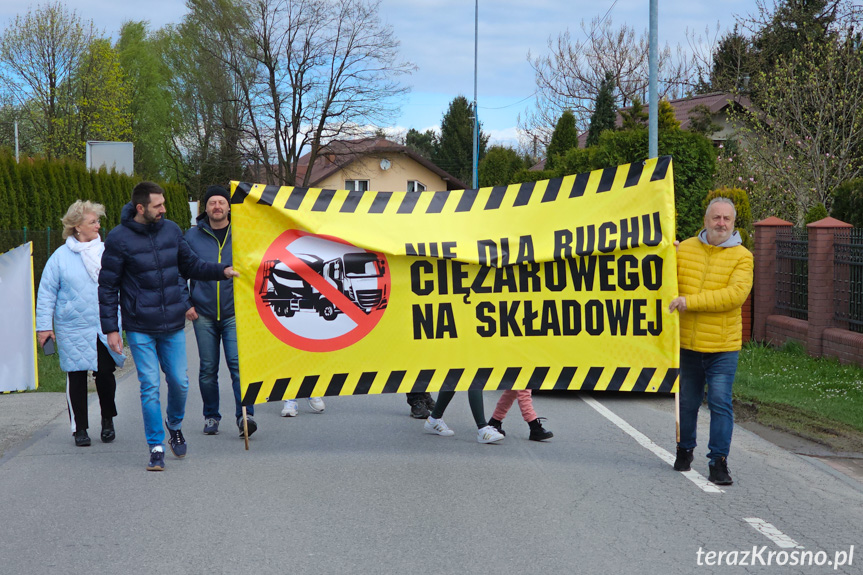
x: 645, y: 379
x: 456, y: 201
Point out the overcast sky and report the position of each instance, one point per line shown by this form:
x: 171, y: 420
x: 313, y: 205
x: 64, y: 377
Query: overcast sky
x: 438, y: 36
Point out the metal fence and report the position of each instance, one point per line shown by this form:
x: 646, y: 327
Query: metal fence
x: 848, y: 278
x: 792, y: 272
x: 44, y: 244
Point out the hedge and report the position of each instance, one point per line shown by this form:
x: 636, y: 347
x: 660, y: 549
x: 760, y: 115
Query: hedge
x: 36, y: 193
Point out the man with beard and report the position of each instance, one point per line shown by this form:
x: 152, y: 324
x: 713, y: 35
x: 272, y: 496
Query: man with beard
x: 714, y: 276
x: 212, y: 311
x: 142, y: 265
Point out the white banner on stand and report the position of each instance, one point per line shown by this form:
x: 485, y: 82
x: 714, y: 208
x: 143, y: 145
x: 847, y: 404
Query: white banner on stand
x: 18, y: 310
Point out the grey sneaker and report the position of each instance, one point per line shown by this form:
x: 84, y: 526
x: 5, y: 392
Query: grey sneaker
x: 419, y: 410
x: 211, y: 426
x: 317, y: 404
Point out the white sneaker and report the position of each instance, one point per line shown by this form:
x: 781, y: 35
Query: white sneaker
x: 488, y: 434
x: 317, y: 404
x: 437, y: 426
x: 290, y: 408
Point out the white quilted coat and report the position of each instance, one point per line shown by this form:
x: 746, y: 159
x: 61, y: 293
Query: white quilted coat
x: 69, y: 298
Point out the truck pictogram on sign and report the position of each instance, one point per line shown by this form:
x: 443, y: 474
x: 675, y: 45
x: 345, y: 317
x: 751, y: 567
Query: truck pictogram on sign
x: 319, y: 293
x: 355, y: 275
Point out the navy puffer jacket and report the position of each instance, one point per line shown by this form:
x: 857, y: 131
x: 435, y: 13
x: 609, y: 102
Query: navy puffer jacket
x: 214, y: 300
x: 143, y: 263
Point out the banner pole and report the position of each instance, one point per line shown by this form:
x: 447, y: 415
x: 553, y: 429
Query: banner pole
x: 246, y: 428
x: 676, y: 414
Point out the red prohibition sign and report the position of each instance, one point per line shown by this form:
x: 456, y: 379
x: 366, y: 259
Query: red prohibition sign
x: 320, y: 293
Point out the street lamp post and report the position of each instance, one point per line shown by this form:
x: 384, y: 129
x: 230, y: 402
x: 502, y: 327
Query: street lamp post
x: 475, y: 111
x: 653, y: 89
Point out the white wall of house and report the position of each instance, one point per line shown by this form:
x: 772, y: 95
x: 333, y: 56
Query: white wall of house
x: 394, y: 179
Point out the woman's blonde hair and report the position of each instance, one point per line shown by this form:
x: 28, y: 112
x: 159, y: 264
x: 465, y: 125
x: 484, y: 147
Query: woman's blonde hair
x: 75, y: 215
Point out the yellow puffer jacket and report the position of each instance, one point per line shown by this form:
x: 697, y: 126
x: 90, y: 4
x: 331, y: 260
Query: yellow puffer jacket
x: 715, y: 282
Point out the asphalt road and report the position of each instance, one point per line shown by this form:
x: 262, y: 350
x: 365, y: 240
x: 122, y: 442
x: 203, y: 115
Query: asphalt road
x: 361, y: 489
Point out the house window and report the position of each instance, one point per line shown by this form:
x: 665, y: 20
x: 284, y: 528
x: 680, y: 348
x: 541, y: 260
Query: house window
x: 357, y: 185
x: 416, y: 186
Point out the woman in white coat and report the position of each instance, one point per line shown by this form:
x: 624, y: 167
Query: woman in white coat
x: 67, y: 309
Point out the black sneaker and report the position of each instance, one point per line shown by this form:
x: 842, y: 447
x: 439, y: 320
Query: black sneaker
x: 157, y: 460
x: 108, y: 435
x: 683, y: 461
x: 177, y: 442
x: 719, y: 472
x: 497, y: 425
x: 429, y: 401
x: 82, y: 439
x: 253, y: 427
x: 419, y: 410
x: 537, y: 431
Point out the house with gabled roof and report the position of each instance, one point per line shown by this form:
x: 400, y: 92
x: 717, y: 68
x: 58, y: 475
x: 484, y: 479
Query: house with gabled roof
x: 374, y: 164
x: 718, y: 105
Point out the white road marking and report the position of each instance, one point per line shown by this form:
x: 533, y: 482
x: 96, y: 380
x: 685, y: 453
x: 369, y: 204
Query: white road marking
x: 647, y: 443
x: 772, y: 533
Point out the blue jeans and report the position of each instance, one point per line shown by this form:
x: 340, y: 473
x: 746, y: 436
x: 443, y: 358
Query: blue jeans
x: 208, y: 332
x: 716, y: 371
x: 150, y: 351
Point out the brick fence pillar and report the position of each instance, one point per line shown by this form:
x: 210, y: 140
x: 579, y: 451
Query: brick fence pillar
x: 821, y: 300
x: 764, y: 298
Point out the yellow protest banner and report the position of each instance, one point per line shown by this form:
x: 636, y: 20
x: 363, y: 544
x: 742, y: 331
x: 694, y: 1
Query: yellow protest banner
x: 557, y: 284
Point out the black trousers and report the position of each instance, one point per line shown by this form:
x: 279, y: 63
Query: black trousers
x: 106, y: 387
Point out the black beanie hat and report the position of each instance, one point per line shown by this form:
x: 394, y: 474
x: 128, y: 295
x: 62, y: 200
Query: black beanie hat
x: 216, y: 191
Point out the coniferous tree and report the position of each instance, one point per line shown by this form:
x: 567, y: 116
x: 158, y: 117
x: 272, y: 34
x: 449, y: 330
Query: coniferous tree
x: 8, y: 200
x: 734, y: 64
x: 499, y: 166
x: 454, y: 152
x: 33, y: 209
x: 18, y: 202
x: 71, y: 179
x: 666, y: 120
x: 422, y: 143
x: 42, y: 197
x: 52, y: 194
x: 635, y: 118
x: 793, y: 25
x: 85, y: 186
x: 97, y: 193
x: 604, y: 114
x: 563, y: 139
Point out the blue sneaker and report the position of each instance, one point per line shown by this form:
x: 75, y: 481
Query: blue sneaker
x: 177, y: 442
x: 211, y: 426
x: 157, y: 459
